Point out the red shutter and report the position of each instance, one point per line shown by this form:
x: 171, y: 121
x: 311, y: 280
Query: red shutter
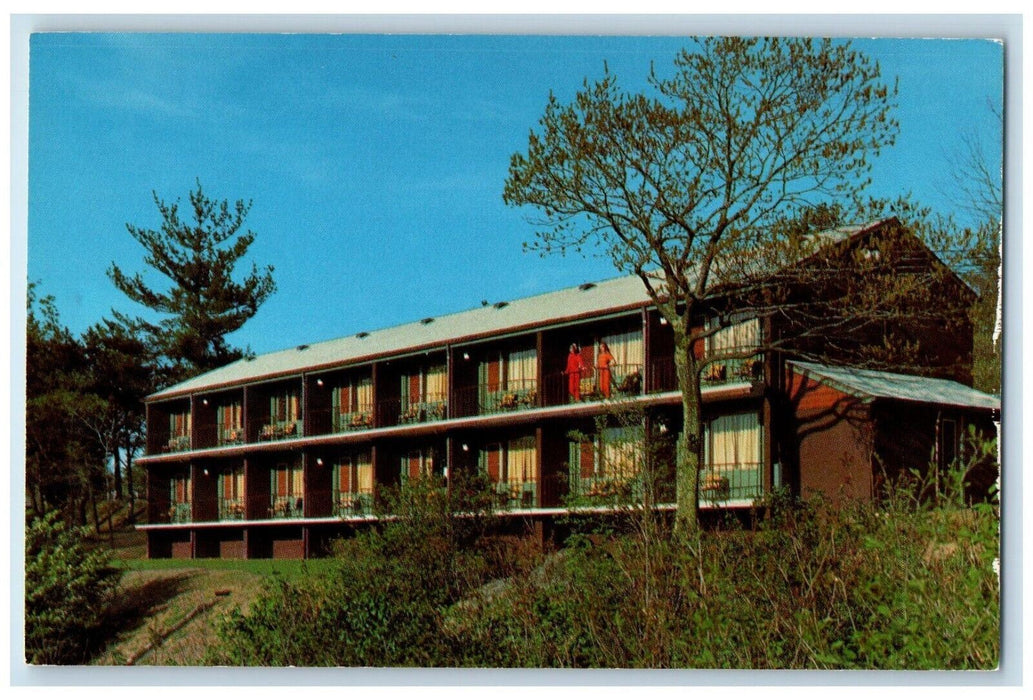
x: 494, y: 462
x: 588, y: 359
x: 282, y: 482
x: 414, y: 465
x: 587, y: 458
x: 346, y: 478
x: 494, y: 374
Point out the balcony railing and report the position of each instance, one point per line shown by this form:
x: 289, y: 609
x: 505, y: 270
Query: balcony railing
x: 431, y: 407
x: 284, y: 507
x: 326, y: 421
x: 731, y: 482
x: 608, y: 488
x: 347, y: 503
x: 176, y: 513
x: 510, y: 495
x: 280, y: 430
x: 626, y: 380
x: 231, y: 509
x: 732, y: 371
x: 485, y: 399
x: 178, y: 443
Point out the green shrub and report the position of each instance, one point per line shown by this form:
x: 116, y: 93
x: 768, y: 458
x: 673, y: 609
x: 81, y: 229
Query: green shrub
x: 67, y: 590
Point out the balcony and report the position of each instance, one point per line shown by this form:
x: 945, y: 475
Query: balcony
x: 280, y: 430
x: 719, y: 483
x: 732, y: 371
x: 177, y: 513
x: 432, y: 407
x: 178, y: 443
x: 286, y: 507
x: 231, y: 509
x: 511, y: 495
x: 625, y: 381
x: 350, y: 504
x: 485, y: 399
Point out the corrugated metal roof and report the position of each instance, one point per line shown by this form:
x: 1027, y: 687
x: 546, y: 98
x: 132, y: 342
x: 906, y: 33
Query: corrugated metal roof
x: 543, y: 309
x: 902, y: 387
x: 596, y: 298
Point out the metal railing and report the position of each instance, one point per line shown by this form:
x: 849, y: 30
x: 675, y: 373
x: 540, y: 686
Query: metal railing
x: 501, y: 397
x: 282, y: 507
x: 352, y: 503
x: 430, y: 407
x: 231, y: 509
x: 280, y: 430
x: 731, y: 482
x: 176, y: 513
x: 511, y: 495
x: 178, y: 443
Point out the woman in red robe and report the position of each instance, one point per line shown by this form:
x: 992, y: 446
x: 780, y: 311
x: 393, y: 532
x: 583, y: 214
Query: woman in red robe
x: 603, y: 360
x: 575, y: 365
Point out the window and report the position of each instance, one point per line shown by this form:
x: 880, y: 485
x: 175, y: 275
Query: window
x: 353, y: 404
x: 424, y: 394
x: 609, y: 463
x: 287, y: 491
x: 421, y: 462
x: 230, y: 419
x: 509, y: 380
x: 353, y: 484
x: 733, y: 457
x: 231, y: 494
x: 179, y: 498
x: 512, y: 467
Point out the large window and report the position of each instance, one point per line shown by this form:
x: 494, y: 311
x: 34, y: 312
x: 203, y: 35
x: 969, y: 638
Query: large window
x: 231, y: 494
x: 353, y: 404
x: 422, y: 462
x: 508, y: 380
x: 287, y: 491
x: 733, y: 458
x: 179, y: 431
x: 424, y: 394
x: 353, y: 484
x: 179, y: 498
x: 729, y: 346
x: 230, y: 419
x: 608, y: 464
x: 512, y: 469
x: 284, y: 416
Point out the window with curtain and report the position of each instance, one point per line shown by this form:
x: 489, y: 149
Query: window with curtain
x: 421, y: 462
x: 352, y: 403
x: 512, y: 467
x: 353, y: 483
x: 285, y: 406
x: 287, y: 489
x: 179, y: 424
x: 739, y: 336
x: 230, y: 418
x: 231, y: 493
x: 733, y: 457
x: 606, y: 463
x: 628, y: 350
x: 429, y: 385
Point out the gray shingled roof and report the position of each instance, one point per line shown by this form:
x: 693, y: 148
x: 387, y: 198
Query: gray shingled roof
x: 552, y: 307
x: 540, y: 310
x: 902, y: 387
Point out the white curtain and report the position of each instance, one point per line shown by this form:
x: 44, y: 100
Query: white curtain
x: 621, y: 453
x: 628, y: 351
x: 734, y: 440
x: 520, y: 463
x: 437, y: 383
x: 736, y: 337
x: 522, y: 369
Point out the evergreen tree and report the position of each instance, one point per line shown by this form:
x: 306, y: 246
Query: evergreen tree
x: 202, y: 302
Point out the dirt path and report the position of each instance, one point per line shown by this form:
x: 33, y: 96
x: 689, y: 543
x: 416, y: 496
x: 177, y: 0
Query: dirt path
x: 168, y: 617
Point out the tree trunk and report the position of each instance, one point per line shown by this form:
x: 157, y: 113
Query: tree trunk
x: 689, y: 450
x: 132, y: 490
x: 118, y: 473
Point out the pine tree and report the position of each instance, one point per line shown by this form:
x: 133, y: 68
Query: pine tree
x: 202, y: 303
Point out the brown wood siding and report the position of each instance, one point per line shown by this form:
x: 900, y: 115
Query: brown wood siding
x: 289, y: 549
x: 834, y: 442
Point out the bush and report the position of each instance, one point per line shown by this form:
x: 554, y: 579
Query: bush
x: 67, y: 591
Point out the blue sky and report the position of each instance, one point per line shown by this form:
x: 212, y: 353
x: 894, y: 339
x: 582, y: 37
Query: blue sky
x: 375, y: 163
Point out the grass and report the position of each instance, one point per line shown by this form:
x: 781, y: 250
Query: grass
x: 288, y: 568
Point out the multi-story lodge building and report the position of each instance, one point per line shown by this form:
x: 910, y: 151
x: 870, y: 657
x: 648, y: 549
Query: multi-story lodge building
x: 275, y: 455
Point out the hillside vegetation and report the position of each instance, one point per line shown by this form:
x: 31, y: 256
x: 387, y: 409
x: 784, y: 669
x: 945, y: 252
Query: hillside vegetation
x: 902, y: 585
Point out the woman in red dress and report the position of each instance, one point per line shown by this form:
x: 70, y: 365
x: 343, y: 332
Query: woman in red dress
x: 603, y: 360
x: 575, y: 365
